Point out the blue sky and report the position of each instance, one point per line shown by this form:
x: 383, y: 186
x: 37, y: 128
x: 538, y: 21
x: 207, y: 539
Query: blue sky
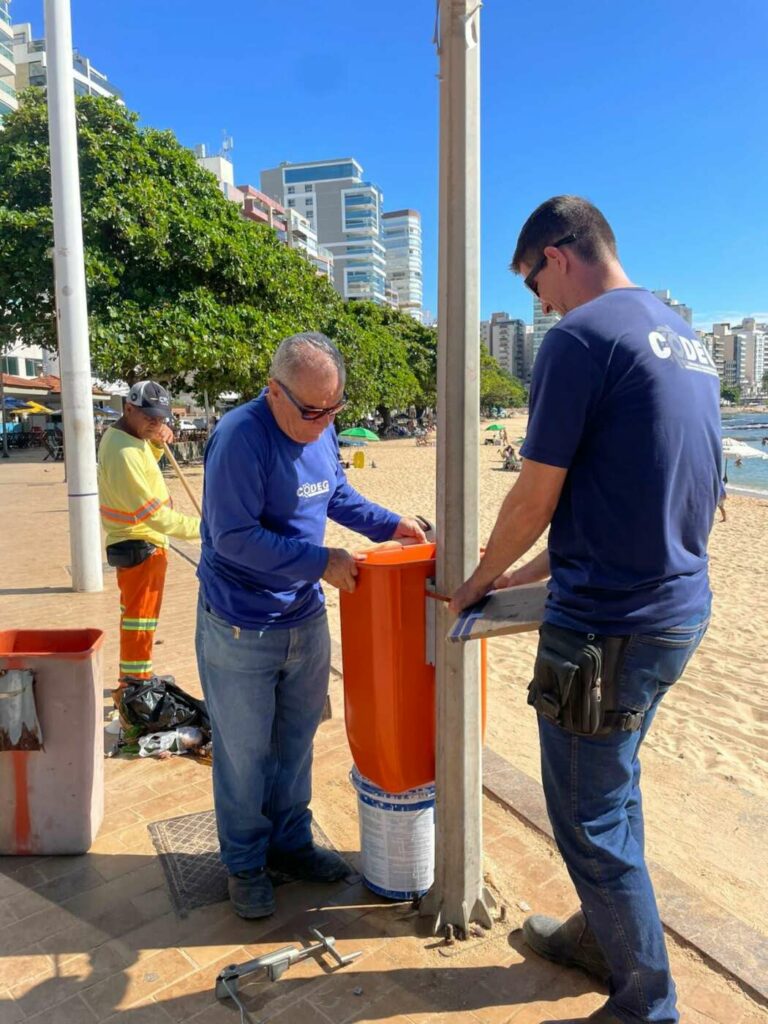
x: 655, y: 111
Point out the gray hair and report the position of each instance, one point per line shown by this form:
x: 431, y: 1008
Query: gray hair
x: 300, y: 351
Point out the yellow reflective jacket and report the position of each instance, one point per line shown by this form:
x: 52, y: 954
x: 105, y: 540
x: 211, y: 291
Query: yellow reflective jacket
x: 133, y: 496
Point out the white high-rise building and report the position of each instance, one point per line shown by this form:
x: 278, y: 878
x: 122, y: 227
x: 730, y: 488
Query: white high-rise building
x: 401, y: 235
x: 345, y: 211
x: 8, y: 100
x: 32, y: 67
x: 679, y: 307
x: 505, y: 339
x: 541, y: 324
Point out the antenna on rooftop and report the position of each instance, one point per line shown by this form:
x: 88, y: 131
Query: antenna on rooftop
x: 227, y: 143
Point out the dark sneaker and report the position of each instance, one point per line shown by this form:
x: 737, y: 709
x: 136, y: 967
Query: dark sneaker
x: 601, y: 1016
x: 250, y: 893
x: 309, y: 863
x: 570, y: 943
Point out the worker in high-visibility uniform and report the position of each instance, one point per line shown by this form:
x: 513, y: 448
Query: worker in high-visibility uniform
x: 138, y: 518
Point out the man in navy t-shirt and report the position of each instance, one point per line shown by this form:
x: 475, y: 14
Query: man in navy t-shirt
x: 272, y: 480
x: 622, y: 462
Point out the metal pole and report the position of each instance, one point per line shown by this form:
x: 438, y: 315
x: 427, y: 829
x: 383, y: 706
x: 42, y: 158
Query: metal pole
x: 458, y: 896
x: 71, y: 309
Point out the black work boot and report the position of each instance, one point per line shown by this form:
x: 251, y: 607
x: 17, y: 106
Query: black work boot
x: 251, y: 894
x: 309, y: 863
x: 601, y: 1016
x: 570, y: 943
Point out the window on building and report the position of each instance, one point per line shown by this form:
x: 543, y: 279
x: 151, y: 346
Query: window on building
x: 9, y: 364
x: 291, y: 203
x: 309, y: 202
x: 308, y: 188
x: 291, y: 189
x: 34, y: 367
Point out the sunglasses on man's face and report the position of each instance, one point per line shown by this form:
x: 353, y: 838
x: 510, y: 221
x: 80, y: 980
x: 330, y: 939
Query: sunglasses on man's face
x: 530, y: 279
x: 312, y: 412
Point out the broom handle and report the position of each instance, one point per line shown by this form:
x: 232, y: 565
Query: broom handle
x: 180, y: 475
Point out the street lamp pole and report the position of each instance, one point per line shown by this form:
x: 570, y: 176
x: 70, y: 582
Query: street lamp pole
x: 71, y: 308
x: 458, y: 896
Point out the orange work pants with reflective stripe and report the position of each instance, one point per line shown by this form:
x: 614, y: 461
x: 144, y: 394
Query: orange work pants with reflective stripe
x: 141, y: 595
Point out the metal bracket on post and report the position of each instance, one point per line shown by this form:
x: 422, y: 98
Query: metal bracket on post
x: 430, y: 617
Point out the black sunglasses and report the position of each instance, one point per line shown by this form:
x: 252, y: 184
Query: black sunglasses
x: 530, y: 280
x: 311, y: 412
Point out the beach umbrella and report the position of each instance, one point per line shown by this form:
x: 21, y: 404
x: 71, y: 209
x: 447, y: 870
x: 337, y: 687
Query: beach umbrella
x: 10, y: 404
x: 495, y: 426
x: 733, y: 449
x: 32, y: 406
x: 361, y: 433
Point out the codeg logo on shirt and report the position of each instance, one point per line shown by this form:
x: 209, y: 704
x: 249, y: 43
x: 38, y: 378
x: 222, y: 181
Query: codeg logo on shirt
x: 686, y: 352
x: 310, y: 490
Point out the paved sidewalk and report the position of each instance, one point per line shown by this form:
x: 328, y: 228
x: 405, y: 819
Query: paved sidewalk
x: 94, y: 938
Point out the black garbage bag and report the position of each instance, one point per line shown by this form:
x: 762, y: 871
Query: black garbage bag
x: 158, y: 703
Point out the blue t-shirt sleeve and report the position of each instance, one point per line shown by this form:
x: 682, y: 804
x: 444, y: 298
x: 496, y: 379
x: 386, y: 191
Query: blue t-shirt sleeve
x: 349, y: 508
x: 235, y: 477
x: 562, y: 395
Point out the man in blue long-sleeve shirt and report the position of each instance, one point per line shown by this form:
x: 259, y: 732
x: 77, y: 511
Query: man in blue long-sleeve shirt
x: 272, y: 479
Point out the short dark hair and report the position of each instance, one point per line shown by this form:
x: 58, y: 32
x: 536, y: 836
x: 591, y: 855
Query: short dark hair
x: 561, y: 216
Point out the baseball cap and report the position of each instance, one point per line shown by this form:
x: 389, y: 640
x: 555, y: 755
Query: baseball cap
x: 151, y: 398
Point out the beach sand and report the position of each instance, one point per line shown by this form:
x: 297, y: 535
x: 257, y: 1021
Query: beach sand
x: 705, y: 761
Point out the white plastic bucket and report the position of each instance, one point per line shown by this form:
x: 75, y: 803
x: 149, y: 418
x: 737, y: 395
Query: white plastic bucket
x: 397, y: 838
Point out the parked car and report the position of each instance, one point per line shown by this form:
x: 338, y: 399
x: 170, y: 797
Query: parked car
x: 187, y: 424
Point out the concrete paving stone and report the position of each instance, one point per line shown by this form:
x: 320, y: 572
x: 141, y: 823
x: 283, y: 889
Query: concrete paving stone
x: 10, y: 1011
x: 301, y: 1012
x: 194, y: 992
x: 137, y: 982
x: 23, y: 870
x: 146, y: 1013
x: 153, y: 904
x: 335, y: 995
x: 65, y: 979
x: 16, y: 972
x: 70, y: 1011
x: 726, y: 1006
x: 57, y: 891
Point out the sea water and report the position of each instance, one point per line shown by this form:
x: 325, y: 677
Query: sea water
x: 751, y: 428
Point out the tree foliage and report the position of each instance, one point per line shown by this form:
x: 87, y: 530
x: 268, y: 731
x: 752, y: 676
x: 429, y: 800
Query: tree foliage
x: 730, y: 393
x: 180, y: 287
x: 497, y: 387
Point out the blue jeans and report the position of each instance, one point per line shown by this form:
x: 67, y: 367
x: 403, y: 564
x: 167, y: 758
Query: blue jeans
x: 265, y: 692
x: 592, y: 787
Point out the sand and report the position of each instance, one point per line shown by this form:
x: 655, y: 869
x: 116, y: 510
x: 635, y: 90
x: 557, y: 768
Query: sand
x: 705, y: 761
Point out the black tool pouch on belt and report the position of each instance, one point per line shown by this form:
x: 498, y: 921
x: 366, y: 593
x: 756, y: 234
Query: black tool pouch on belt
x: 575, y: 682
x: 127, y: 553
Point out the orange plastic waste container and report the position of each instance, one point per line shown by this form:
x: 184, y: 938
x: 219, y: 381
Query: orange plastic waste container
x: 52, y: 800
x: 389, y: 689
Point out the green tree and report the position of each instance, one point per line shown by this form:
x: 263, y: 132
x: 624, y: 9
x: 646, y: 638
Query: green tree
x: 180, y: 287
x: 730, y: 393
x: 497, y: 387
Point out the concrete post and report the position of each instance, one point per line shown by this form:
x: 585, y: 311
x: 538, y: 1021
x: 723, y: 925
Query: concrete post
x: 458, y: 896
x: 71, y: 309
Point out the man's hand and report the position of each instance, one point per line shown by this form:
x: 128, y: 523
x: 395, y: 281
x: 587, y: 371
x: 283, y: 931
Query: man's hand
x: 161, y: 434
x: 341, y: 569
x: 408, y: 527
x: 468, y: 593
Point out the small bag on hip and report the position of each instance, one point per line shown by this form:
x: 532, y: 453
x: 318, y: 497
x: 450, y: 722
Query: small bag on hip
x: 128, y: 553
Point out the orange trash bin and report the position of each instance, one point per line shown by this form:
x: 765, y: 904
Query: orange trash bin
x: 389, y: 689
x: 52, y: 800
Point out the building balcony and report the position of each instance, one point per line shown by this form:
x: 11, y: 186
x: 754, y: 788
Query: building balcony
x: 5, y: 14
x: 7, y: 64
x: 7, y: 91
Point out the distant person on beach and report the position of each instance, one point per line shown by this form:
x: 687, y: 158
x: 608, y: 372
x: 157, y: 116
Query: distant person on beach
x: 273, y: 478
x: 622, y: 462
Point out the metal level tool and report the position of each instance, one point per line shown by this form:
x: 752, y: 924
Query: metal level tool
x: 275, y: 964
